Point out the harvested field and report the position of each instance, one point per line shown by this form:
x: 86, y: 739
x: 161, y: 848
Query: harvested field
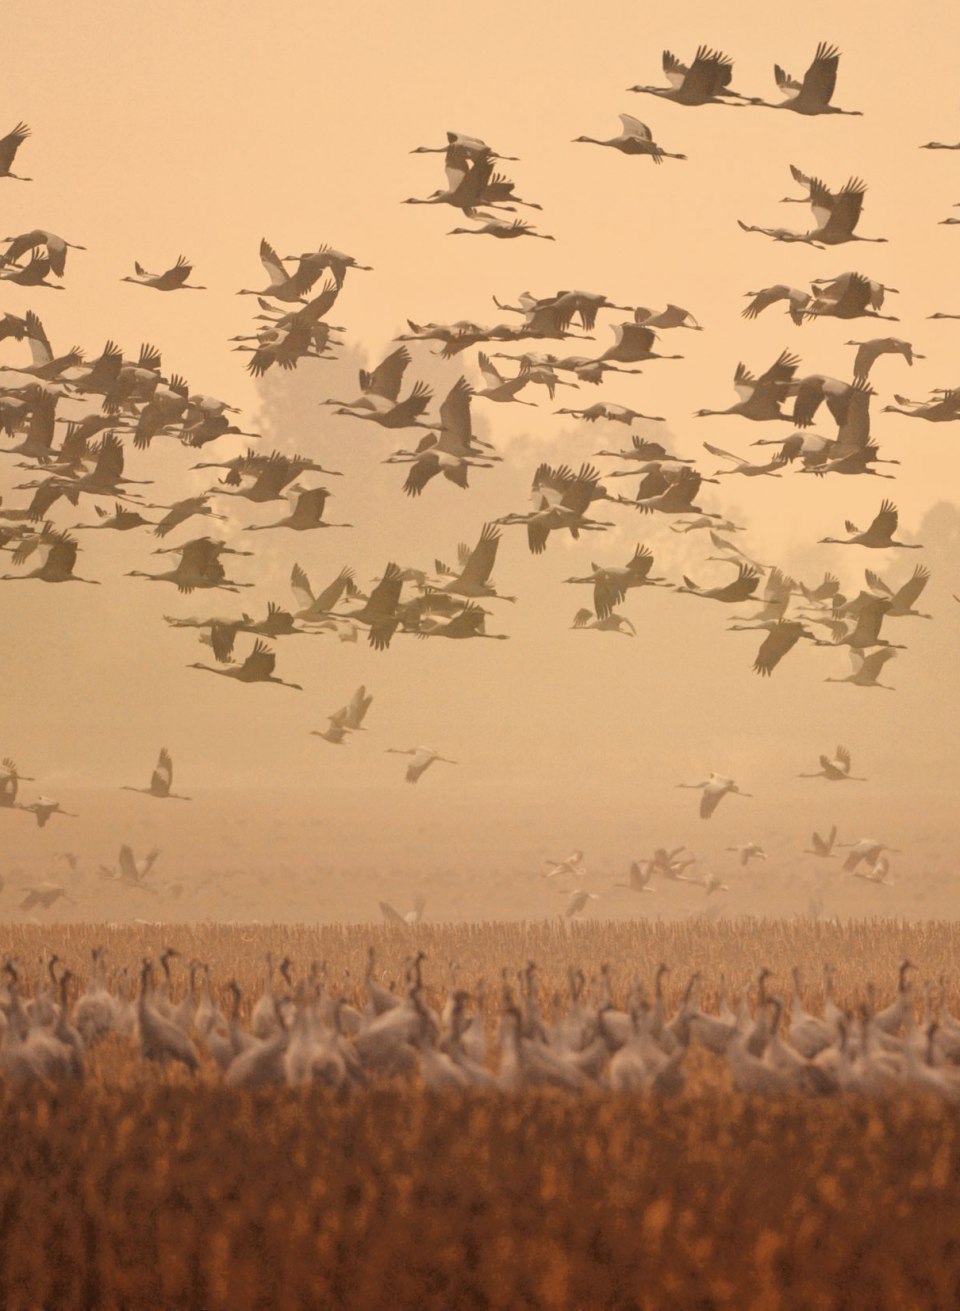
x: 156, y: 1188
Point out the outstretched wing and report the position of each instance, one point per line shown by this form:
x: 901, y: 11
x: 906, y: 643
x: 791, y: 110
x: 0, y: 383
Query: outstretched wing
x: 162, y: 779
x: 479, y: 565
x: 912, y: 588
x: 820, y: 79
x: 260, y: 662
x: 391, y: 915
x: 885, y: 523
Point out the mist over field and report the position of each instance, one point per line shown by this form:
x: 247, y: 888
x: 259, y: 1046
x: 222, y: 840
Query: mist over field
x: 565, y: 740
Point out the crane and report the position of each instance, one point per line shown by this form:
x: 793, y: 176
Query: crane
x: 423, y: 758
x: 256, y: 668
x: 713, y: 790
x: 837, y: 769
x: 878, y: 536
x: 161, y: 780
x: 634, y: 139
x: 172, y: 279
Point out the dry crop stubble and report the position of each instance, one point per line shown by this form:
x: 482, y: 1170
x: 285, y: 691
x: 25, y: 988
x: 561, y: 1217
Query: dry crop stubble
x: 148, y: 1188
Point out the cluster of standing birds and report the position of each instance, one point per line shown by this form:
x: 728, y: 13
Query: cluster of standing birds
x: 328, y: 1033
x: 129, y: 404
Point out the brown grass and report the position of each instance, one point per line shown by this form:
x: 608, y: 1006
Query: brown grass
x: 145, y: 1190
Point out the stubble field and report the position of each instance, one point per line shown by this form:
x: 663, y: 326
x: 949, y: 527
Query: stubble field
x: 152, y: 1188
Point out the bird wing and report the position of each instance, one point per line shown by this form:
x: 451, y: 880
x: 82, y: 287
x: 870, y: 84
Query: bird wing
x: 412, y: 405
x: 386, y: 595
x: 10, y: 144
x: 709, y: 73
x: 261, y: 661
x: 580, y: 490
x: 744, y: 382
x: 321, y: 304
x: 868, y: 352
x: 128, y: 868
x: 41, y: 351
x: 222, y: 638
x: 491, y: 375
x: 607, y: 594
x: 390, y: 914
x: 820, y: 78
x: 109, y: 464
x: 455, y: 413
x: 632, y: 127
x: 912, y: 588
x: 885, y: 523
x: 272, y: 263
x: 725, y: 455
x: 807, y: 400
x: 710, y: 798
x: 310, y: 504
x: 844, y: 214
x: 421, y: 473
x: 62, y: 555
x: 275, y: 474
x: 768, y: 296
x: 343, y: 583
x: 674, y: 71
x: 843, y: 755
x: 783, y: 79
x: 468, y: 623
x: 479, y: 564
x: 180, y: 271
x: 869, y: 618
x: 421, y: 762
x: 162, y: 779
x: 775, y: 646
x: 641, y: 562
x: 300, y: 586
x: 871, y: 665
x: 876, y: 582
x: 386, y: 378
x: 19, y: 246
x: 781, y: 370
x: 359, y: 705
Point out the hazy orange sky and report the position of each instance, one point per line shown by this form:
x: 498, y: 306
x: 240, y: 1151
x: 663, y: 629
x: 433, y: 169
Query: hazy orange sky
x: 201, y: 129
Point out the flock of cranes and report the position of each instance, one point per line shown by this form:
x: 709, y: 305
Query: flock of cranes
x: 866, y: 859
x: 321, y: 1032
x: 131, y: 403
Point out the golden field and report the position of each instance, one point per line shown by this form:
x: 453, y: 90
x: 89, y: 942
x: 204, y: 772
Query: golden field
x: 147, y: 1188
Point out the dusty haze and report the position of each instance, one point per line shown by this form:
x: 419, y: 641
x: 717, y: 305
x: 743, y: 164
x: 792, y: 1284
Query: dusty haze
x: 177, y: 128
